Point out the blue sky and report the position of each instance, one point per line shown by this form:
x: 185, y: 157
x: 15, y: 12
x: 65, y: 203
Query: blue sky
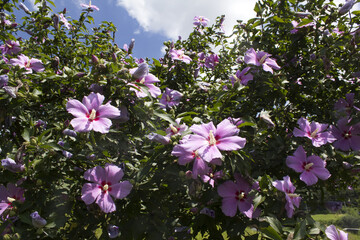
x: 151, y: 22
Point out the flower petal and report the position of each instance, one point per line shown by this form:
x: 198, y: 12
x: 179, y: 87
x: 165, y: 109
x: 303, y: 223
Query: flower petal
x: 226, y: 129
x: 121, y: 190
x: 113, y: 173
x: 227, y: 189
x: 82, y: 124
x: 106, y: 203
x: 90, y: 192
x: 76, y: 108
x: 95, y: 175
x: 309, y: 178
x: 203, y: 129
x: 229, y: 206
x: 101, y: 125
x: 108, y: 111
x: 231, y: 143
x: 93, y: 101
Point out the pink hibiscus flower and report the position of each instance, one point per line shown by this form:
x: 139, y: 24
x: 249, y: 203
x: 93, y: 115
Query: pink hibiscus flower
x: 105, y: 184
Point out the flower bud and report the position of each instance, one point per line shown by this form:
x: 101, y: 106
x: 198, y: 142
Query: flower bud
x: 4, y: 79
x: 94, y: 59
x: 131, y: 46
x: 69, y: 132
x: 113, y: 231
x: 346, y: 7
x: 37, y: 220
x: 55, y: 19
x: 11, y: 91
x: 141, y: 71
x: 24, y: 8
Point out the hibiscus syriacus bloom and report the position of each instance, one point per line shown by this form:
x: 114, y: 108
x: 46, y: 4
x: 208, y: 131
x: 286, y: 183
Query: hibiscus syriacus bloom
x: 241, y: 76
x: 177, y: 129
x: 105, y: 184
x: 261, y: 59
x: 211, y: 177
x: 179, y: 55
x: 91, y: 114
x: 211, y: 61
x: 311, y: 168
x: 236, y: 196
x: 347, y: 136
x: 29, y: 64
x: 64, y: 21
x: 141, y: 75
x: 314, y: 131
x: 344, y: 106
x: 292, y: 199
x: 333, y: 234
x: 10, y: 47
x: 10, y: 194
x: 208, y: 139
x: 90, y: 6
x: 200, y: 21
x: 170, y: 98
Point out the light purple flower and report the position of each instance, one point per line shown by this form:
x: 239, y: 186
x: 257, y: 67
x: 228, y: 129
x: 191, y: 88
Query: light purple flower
x: 242, y: 77
x: 105, y: 184
x: 90, y: 6
x: 311, y: 168
x: 200, y: 21
x: 211, y: 61
x: 261, y: 59
x: 12, y: 166
x: 292, y: 199
x: 64, y: 21
x: 10, y: 47
x: 314, y: 131
x: 177, y: 129
x: 236, y: 196
x: 67, y: 154
x: 29, y: 64
x: 211, y: 177
x: 170, y: 98
x: 91, y: 114
x: 155, y: 137
x: 4, y: 79
x: 37, y: 220
x: 142, y: 75
x: 344, y: 106
x: 179, y: 55
x: 208, y: 139
x: 296, y: 27
x: 333, y: 234
x: 347, y: 136
x: 10, y: 194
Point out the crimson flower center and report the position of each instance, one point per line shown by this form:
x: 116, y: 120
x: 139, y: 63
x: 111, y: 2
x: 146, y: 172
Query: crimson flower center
x: 346, y: 134
x: 240, y: 196
x: 212, y: 139
x: 307, y: 166
x: 105, y: 186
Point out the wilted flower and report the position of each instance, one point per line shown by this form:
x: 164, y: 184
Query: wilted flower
x: 261, y: 59
x: 346, y: 7
x: 200, y: 21
x: 10, y: 47
x: 113, y: 231
x: 105, y: 183
x: 211, y: 61
x: 69, y: 132
x: 155, y: 137
x: 311, y: 168
x: 64, y: 21
x: 67, y: 154
x: 37, y: 220
x: 91, y: 114
x: 12, y: 166
x: 265, y: 116
x: 4, y: 79
x: 314, y: 131
x: 179, y: 55
x: 208, y: 212
x: 29, y: 64
x: 288, y: 188
x: 333, y: 234
x: 170, y: 98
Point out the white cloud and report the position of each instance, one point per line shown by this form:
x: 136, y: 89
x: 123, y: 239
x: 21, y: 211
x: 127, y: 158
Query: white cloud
x: 174, y: 17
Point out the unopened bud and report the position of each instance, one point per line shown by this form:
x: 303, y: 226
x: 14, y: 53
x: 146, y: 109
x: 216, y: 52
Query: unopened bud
x: 55, y: 19
x: 141, y: 71
x: 94, y: 59
x: 346, y: 7
x: 131, y: 46
x: 24, y: 8
x: 37, y: 220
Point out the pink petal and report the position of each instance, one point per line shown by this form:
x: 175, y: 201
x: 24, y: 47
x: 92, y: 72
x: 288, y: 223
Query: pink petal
x: 108, y: 111
x: 81, y: 124
x: 295, y: 163
x: 309, y: 178
x: 244, y: 205
x: 76, y: 108
x: 95, y: 175
x: 195, y: 142
x: 203, y: 129
x: 153, y: 90
x: 227, y: 189
x: 208, y: 153
x: 3, y: 207
x: 113, y: 173
x: 229, y: 206
x: 106, y: 203
x: 199, y: 167
x: 231, y: 143
x: 226, y: 129
x: 121, y: 190
x: 321, y: 173
x: 93, y: 101
x: 332, y: 233
x: 101, y: 125
x: 90, y: 192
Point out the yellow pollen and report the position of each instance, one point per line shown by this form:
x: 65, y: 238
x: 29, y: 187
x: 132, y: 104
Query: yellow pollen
x: 142, y: 81
x: 168, y: 98
x: 241, y: 195
x: 173, y: 129
x: 92, y: 114
x: 236, y: 78
x: 308, y: 166
x: 262, y: 60
x: 313, y: 134
x: 10, y: 200
x: 28, y: 64
x: 293, y: 195
x: 212, y: 139
x: 105, y: 187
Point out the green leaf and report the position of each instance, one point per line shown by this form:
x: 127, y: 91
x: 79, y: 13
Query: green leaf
x: 26, y: 134
x: 274, y: 223
x: 98, y: 232
x: 165, y: 117
x: 300, y: 230
x: 257, y: 8
x: 271, y: 233
x: 276, y: 18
